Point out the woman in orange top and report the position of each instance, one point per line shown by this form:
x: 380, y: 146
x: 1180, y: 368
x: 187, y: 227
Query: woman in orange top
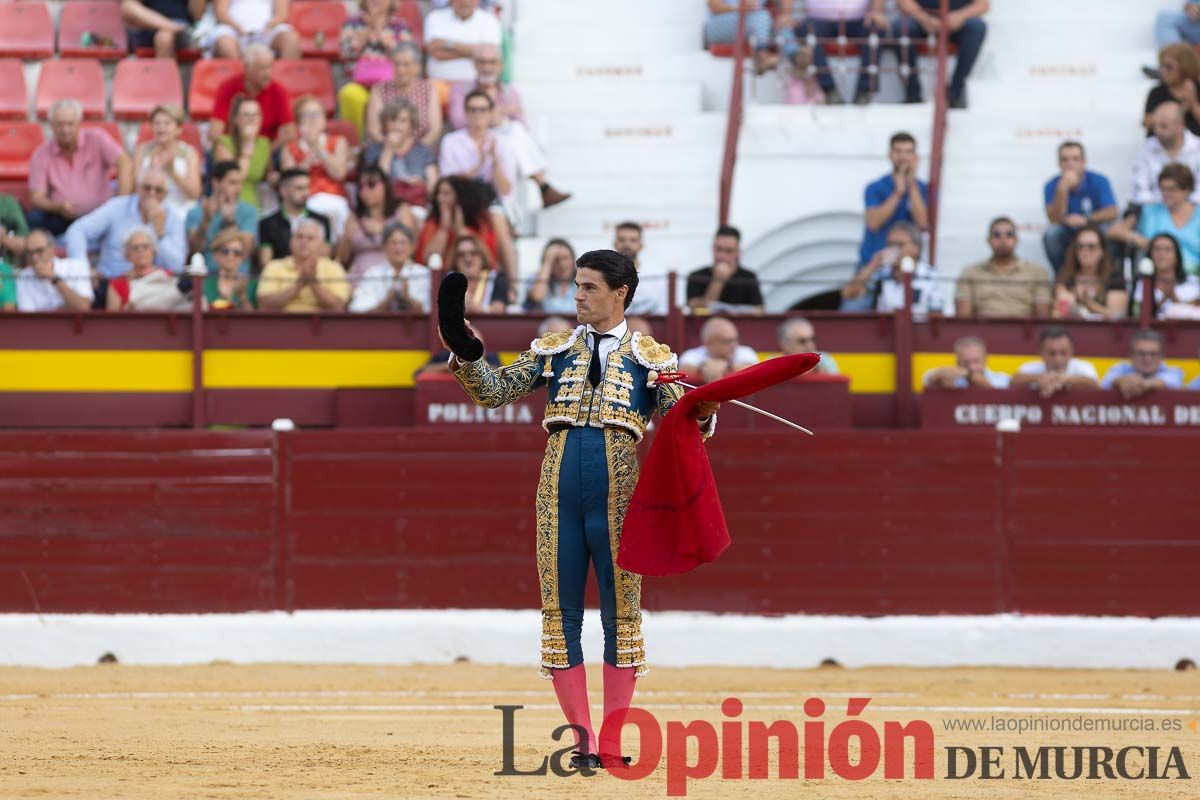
x: 458, y: 209
x: 326, y: 156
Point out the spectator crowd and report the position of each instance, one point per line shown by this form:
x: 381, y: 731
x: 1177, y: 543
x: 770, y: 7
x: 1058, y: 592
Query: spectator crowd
x: 286, y: 211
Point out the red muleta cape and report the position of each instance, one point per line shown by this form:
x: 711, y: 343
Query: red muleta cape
x: 675, y: 522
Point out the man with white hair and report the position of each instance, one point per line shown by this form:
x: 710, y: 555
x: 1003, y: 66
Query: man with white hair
x: 105, y: 228
x: 719, y: 354
x: 242, y: 23
x: 305, y: 281
x: 71, y: 174
x: 507, y: 119
x: 1171, y: 142
x: 255, y: 82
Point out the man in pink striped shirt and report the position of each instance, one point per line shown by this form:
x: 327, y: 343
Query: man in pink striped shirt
x: 71, y: 174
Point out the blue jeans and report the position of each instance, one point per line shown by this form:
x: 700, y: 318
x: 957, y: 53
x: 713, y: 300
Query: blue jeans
x: 722, y: 28
x: 1174, y: 26
x: 827, y: 29
x: 55, y: 223
x: 969, y: 39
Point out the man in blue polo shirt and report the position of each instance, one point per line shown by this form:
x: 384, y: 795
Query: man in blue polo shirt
x: 1144, y: 371
x: 1074, y: 198
x: 896, y: 197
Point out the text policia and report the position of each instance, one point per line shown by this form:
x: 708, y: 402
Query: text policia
x: 852, y: 750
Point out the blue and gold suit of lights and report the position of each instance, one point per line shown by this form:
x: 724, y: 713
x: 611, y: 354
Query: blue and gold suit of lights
x: 588, y: 475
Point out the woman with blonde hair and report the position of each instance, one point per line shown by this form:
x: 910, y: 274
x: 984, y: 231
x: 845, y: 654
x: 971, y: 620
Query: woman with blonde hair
x: 1179, y: 71
x: 326, y: 157
x: 178, y: 160
x: 487, y: 288
x: 229, y: 287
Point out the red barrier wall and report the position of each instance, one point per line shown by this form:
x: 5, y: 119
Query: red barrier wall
x: 1081, y: 522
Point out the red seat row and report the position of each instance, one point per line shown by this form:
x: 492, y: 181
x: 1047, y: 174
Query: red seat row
x: 27, y: 30
x: 141, y: 84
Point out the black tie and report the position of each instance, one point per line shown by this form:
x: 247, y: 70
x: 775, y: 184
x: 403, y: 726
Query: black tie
x: 594, y: 367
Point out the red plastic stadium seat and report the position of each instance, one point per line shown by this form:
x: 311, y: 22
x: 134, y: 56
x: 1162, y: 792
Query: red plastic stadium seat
x: 18, y: 140
x: 189, y: 133
x: 344, y: 128
x: 14, y: 98
x: 410, y: 12
x: 313, y: 17
x: 142, y: 84
x: 26, y: 30
x: 207, y: 75
x: 18, y: 190
x: 308, y: 76
x: 181, y: 56
x: 81, y: 79
x: 91, y: 16
x: 111, y: 128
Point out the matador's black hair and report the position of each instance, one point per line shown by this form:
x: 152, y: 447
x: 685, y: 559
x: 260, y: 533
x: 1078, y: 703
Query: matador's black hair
x: 618, y: 270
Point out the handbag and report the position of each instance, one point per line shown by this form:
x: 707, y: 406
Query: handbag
x: 369, y: 71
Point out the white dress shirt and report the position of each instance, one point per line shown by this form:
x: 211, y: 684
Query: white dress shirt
x: 35, y: 294
x: 608, y: 344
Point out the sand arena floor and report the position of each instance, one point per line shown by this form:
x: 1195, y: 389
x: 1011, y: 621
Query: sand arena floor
x: 319, y: 731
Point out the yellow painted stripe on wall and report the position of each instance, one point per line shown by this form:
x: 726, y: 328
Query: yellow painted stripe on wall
x: 95, y: 371
x: 923, y: 362
x: 870, y: 373
x: 311, y: 369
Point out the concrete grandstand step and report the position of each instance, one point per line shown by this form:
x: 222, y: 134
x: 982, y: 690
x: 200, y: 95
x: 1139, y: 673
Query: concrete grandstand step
x: 606, y: 34
x: 574, y: 221
x: 831, y: 131
x: 1058, y: 94
x: 699, y: 129
x: 582, y: 15
x: 600, y: 191
x: 632, y: 158
x: 642, y: 98
x: 537, y: 66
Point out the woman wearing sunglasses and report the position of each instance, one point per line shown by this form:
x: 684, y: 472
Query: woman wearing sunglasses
x: 229, y: 287
x: 361, y: 247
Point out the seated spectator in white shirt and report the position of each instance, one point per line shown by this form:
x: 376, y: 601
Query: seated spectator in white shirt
x: 452, y: 35
x: 969, y: 371
x: 399, y: 284
x: 797, y: 335
x: 881, y: 278
x: 1173, y: 287
x: 719, y: 355
x: 1058, y: 370
x: 1144, y: 371
x: 49, y: 283
x: 651, y: 295
x: 507, y: 119
x: 1171, y: 142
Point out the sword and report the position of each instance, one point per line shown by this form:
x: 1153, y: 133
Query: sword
x: 674, y: 377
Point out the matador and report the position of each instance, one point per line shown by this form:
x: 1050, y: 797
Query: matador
x: 602, y: 391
